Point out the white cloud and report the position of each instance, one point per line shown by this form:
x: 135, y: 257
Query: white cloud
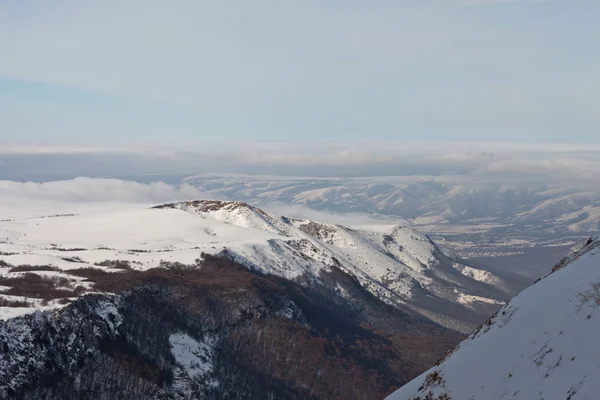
x: 46, y: 149
x: 256, y: 150
x: 88, y: 190
x: 87, y: 194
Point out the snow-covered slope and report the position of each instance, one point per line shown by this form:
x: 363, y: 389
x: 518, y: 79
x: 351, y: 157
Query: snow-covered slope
x: 395, y: 263
x: 543, y: 344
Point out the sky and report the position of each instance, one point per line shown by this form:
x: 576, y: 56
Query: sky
x: 84, y: 75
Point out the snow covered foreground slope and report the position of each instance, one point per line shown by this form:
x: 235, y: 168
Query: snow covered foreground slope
x: 543, y: 344
x: 395, y: 263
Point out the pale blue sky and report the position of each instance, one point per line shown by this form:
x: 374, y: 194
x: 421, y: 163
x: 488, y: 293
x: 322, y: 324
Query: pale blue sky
x: 96, y: 73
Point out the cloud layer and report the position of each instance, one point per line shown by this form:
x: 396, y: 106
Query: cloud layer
x: 27, y: 199
x: 473, y: 161
x: 89, y: 190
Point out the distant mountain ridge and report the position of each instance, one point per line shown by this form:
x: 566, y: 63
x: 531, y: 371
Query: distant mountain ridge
x: 545, y: 209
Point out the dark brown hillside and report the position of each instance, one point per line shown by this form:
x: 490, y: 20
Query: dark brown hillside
x: 276, y: 339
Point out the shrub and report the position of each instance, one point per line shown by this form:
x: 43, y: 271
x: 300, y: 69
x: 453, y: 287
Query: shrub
x: 73, y: 259
x: 116, y: 264
x: 433, y: 379
x: 28, y: 268
x: 14, y: 303
x: 89, y: 272
x: 592, y: 295
x: 36, y: 286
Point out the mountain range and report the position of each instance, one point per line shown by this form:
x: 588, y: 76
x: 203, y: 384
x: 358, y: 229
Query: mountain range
x: 513, y: 229
x: 434, y: 203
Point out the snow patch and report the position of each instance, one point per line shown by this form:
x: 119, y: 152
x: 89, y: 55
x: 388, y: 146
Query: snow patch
x: 196, y: 358
x: 476, y: 274
x: 108, y: 311
x: 7, y: 313
x: 467, y: 299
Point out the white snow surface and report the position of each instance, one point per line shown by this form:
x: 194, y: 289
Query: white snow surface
x: 468, y: 299
x: 194, y: 357
x: 390, y: 261
x: 195, y: 363
x: 543, y: 344
x: 108, y: 312
x: 13, y: 312
x: 477, y: 274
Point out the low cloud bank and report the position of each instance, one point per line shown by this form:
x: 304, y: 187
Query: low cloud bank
x: 98, y: 190
x: 571, y: 164
x: 347, y: 219
x: 89, y: 194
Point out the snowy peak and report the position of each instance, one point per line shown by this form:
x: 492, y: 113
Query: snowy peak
x: 403, y: 244
x: 397, y: 264
x: 232, y: 212
x: 210, y: 205
x: 540, y: 345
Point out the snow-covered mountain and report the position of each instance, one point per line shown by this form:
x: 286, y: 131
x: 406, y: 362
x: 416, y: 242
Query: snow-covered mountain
x: 425, y: 200
x: 513, y: 229
x: 395, y: 263
x: 543, y: 344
